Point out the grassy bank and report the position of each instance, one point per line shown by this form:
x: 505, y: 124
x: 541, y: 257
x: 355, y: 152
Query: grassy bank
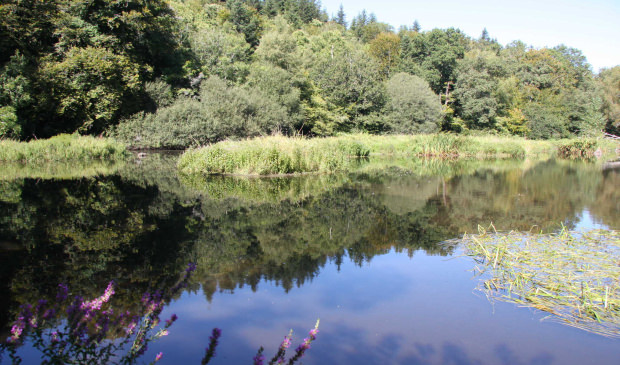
x: 282, y: 155
x: 63, y: 147
x: 274, y: 156
x: 573, y: 276
x: 449, y: 145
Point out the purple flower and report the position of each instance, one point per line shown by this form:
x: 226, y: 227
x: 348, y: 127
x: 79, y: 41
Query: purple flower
x: 258, y: 359
x: 170, y: 321
x: 158, y: 357
x: 63, y: 292
x: 210, y: 350
x: 98, y: 302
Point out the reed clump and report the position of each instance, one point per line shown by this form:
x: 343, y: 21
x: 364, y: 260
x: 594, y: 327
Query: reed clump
x: 450, y: 145
x: 274, y: 155
x: 573, y: 276
x: 578, y: 148
x: 63, y: 147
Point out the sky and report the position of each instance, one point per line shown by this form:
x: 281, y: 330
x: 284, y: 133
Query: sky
x: 591, y: 26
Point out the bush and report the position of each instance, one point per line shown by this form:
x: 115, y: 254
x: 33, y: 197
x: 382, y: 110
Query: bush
x: 577, y: 148
x: 220, y: 112
x: 412, y: 106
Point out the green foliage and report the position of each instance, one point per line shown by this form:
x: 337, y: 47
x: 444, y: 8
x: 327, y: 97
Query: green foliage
x: 366, y: 27
x: 26, y: 26
x: 219, y: 112
x: 61, y: 148
x: 412, y: 106
x: 69, y: 66
x: 297, y: 12
x: 90, y: 85
x: 609, y: 81
x: 545, y: 121
x: 245, y: 20
x: 8, y: 123
x: 159, y: 93
x: 279, y: 48
x: 350, y: 80
x: 385, y: 47
x: 219, y: 52
x: 280, y: 86
x: 433, y: 55
x: 475, y: 91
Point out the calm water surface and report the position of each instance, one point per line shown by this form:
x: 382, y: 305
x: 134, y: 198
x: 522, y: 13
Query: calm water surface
x: 363, y: 252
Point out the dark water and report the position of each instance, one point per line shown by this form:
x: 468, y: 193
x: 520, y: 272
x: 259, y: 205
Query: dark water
x: 363, y: 252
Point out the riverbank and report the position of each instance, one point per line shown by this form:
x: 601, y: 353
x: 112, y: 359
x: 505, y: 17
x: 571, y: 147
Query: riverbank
x: 293, y: 155
x: 63, y: 147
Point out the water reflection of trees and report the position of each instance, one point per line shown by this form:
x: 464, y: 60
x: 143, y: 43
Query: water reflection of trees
x: 141, y: 226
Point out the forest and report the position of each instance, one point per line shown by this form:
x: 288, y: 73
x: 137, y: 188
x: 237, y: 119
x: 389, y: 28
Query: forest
x: 181, y: 73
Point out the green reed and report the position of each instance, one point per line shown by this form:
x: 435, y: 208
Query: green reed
x: 63, y: 147
x: 573, y: 276
x: 273, y: 156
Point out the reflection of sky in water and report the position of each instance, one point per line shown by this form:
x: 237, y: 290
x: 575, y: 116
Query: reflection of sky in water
x: 587, y: 222
x: 395, y: 310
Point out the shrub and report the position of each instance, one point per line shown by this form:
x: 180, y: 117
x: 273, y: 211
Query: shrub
x: 412, y: 106
x: 577, y: 148
x: 220, y: 112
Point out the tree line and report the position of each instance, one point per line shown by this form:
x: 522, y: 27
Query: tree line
x: 177, y: 73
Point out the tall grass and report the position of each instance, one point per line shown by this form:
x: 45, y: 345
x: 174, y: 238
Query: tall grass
x: 451, y: 145
x: 572, y: 276
x: 282, y: 155
x: 63, y: 147
x: 273, y: 155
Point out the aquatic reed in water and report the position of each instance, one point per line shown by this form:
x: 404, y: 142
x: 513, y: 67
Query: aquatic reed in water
x: 573, y: 276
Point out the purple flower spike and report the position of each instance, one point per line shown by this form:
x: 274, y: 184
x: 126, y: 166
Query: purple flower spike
x: 172, y: 319
x: 258, y: 359
x: 210, y: 350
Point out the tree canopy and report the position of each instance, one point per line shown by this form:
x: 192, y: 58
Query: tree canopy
x: 121, y: 66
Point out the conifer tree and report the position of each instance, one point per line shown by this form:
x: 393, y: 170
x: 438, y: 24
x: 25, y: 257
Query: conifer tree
x: 416, y: 26
x: 341, y: 17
